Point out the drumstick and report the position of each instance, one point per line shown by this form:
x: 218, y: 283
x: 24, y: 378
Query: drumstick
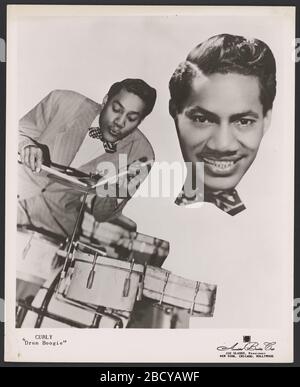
x: 102, y: 182
x: 74, y: 180
x: 59, y: 174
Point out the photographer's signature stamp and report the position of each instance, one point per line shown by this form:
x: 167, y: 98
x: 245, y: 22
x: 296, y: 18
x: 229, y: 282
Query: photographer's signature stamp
x: 248, y: 348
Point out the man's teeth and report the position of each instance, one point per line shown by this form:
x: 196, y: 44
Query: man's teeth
x: 223, y: 165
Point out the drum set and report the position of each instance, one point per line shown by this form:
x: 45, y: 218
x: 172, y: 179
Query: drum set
x: 79, y: 283
x: 88, y: 289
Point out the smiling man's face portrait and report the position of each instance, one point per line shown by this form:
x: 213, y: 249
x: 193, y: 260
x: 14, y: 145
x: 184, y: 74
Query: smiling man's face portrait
x: 222, y: 124
x: 221, y: 100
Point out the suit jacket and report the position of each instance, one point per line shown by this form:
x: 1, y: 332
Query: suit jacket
x: 60, y: 123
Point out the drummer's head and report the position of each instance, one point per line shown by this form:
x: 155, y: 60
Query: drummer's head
x: 126, y: 104
x: 221, y: 101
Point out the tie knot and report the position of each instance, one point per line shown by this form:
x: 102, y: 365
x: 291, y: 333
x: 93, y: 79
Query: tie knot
x: 228, y: 201
x: 110, y: 147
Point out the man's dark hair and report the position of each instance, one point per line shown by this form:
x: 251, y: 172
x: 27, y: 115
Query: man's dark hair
x: 137, y: 87
x: 225, y: 54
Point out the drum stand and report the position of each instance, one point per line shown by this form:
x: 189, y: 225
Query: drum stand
x: 43, y: 311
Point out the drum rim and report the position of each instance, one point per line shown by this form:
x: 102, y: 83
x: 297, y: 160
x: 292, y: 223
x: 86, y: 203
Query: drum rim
x: 109, y: 262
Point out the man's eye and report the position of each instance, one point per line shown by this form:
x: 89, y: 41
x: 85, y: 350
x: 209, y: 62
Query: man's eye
x: 132, y: 118
x: 245, y: 122
x: 116, y: 108
x: 201, y: 119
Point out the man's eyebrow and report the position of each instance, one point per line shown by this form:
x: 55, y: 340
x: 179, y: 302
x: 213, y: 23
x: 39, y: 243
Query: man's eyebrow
x: 119, y: 103
x: 199, y: 109
x: 214, y: 116
x: 121, y: 106
x: 248, y: 113
x: 133, y: 112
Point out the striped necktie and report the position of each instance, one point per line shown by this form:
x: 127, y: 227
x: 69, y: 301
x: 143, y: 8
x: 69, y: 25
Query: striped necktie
x: 96, y: 132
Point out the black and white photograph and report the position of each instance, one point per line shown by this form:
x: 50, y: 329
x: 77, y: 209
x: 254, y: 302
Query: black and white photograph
x: 149, y: 183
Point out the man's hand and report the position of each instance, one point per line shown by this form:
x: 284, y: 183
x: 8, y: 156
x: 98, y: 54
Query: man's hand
x: 32, y: 157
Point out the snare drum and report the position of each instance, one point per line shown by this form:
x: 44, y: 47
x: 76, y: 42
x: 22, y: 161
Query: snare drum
x: 36, y: 261
x: 102, y: 281
x: 92, y: 291
x: 169, y: 300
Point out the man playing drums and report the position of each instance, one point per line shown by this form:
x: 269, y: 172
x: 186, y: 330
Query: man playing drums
x: 69, y: 130
x: 60, y: 129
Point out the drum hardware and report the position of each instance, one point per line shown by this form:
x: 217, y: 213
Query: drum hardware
x: 127, y: 280
x: 115, y: 283
x: 141, y: 284
x: 70, y: 269
x: 98, y: 311
x: 164, y: 288
x: 131, y: 260
x: 130, y: 246
x: 64, y: 286
x: 195, y: 296
x: 129, y: 286
x: 93, y: 249
x: 25, y: 305
x: 71, y: 242
x: 22, y: 310
x: 43, y: 311
x: 46, y: 301
x: 91, y: 276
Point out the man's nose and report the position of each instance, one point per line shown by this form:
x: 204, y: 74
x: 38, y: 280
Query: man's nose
x: 120, y: 121
x: 223, y: 138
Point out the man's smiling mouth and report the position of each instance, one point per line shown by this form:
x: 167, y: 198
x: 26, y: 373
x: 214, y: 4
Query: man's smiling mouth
x: 220, y: 166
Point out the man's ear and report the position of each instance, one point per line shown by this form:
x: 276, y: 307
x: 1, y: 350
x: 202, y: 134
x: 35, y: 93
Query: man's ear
x: 172, y: 109
x: 267, y: 120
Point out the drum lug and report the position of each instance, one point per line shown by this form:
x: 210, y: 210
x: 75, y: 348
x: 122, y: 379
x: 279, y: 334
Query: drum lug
x: 128, y: 281
x: 68, y: 280
x: 195, y: 296
x: 139, y: 295
x: 164, y: 288
x: 91, y: 275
